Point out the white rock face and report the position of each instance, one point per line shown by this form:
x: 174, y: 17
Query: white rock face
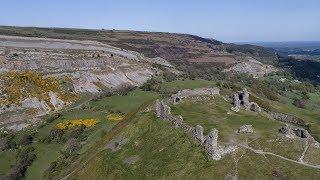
x: 55, y: 101
x: 34, y: 103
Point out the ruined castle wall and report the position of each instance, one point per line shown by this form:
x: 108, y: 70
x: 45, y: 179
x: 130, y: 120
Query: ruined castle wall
x: 210, y: 142
x: 187, y: 93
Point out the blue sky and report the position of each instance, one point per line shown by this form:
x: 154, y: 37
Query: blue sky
x: 226, y: 20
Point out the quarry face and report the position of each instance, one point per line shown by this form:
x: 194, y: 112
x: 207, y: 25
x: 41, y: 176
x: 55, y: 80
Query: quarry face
x: 87, y: 66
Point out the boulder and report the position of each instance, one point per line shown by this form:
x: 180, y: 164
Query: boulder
x: 245, y: 129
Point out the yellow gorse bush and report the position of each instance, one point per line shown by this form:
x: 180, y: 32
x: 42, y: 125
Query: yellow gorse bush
x: 77, y: 122
x: 115, y: 117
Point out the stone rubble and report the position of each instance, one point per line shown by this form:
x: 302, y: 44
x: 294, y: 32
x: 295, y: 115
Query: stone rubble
x: 187, y: 93
x: 246, y: 129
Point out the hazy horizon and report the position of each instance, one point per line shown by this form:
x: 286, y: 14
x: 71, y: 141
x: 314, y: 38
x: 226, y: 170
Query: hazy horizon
x: 228, y: 21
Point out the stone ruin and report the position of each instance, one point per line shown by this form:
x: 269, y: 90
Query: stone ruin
x: 195, y: 93
x: 210, y: 143
x: 291, y: 132
x: 164, y: 112
x: 241, y: 98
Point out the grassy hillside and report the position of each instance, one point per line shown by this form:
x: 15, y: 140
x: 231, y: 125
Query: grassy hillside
x: 47, y: 153
x: 155, y: 149
x: 162, y: 152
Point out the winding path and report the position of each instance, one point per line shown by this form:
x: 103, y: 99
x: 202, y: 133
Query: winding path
x: 259, y: 151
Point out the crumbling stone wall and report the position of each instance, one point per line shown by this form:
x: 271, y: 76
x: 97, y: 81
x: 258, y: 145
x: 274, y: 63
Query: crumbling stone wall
x: 241, y: 98
x: 187, y: 93
x: 287, y: 118
x: 163, y: 111
x: 210, y: 142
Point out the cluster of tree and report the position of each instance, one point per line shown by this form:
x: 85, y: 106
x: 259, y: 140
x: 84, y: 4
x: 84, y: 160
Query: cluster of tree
x: 26, y: 157
x: 22, y: 145
x: 307, y: 70
x: 72, y: 139
x: 10, y: 140
x: 57, y: 135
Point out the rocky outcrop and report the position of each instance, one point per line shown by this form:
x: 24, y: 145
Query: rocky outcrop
x: 56, y: 102
x: 252, y: 67
x: 34, y: 103
x: 188, y: 93
x: 246, y: 129
x: 241, y: 99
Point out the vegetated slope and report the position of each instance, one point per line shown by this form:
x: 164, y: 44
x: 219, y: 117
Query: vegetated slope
x: 93, y: 61
x: 148, y: 147
x: 155, y: 149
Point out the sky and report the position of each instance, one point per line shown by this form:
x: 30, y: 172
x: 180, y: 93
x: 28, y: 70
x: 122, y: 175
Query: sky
x: 225, y: 20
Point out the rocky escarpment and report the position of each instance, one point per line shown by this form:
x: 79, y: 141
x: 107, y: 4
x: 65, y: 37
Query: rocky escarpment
x: 41, y: 75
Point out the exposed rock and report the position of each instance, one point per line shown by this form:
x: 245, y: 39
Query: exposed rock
x: 55, y: 101
x: 187, y: 93
x: 18, y: 127
x: 41, y: 106
x: 117, y: 144
x: 245, y: 129
x: 198, y: 134
x: 231, y: 177
x: 253, y: 67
